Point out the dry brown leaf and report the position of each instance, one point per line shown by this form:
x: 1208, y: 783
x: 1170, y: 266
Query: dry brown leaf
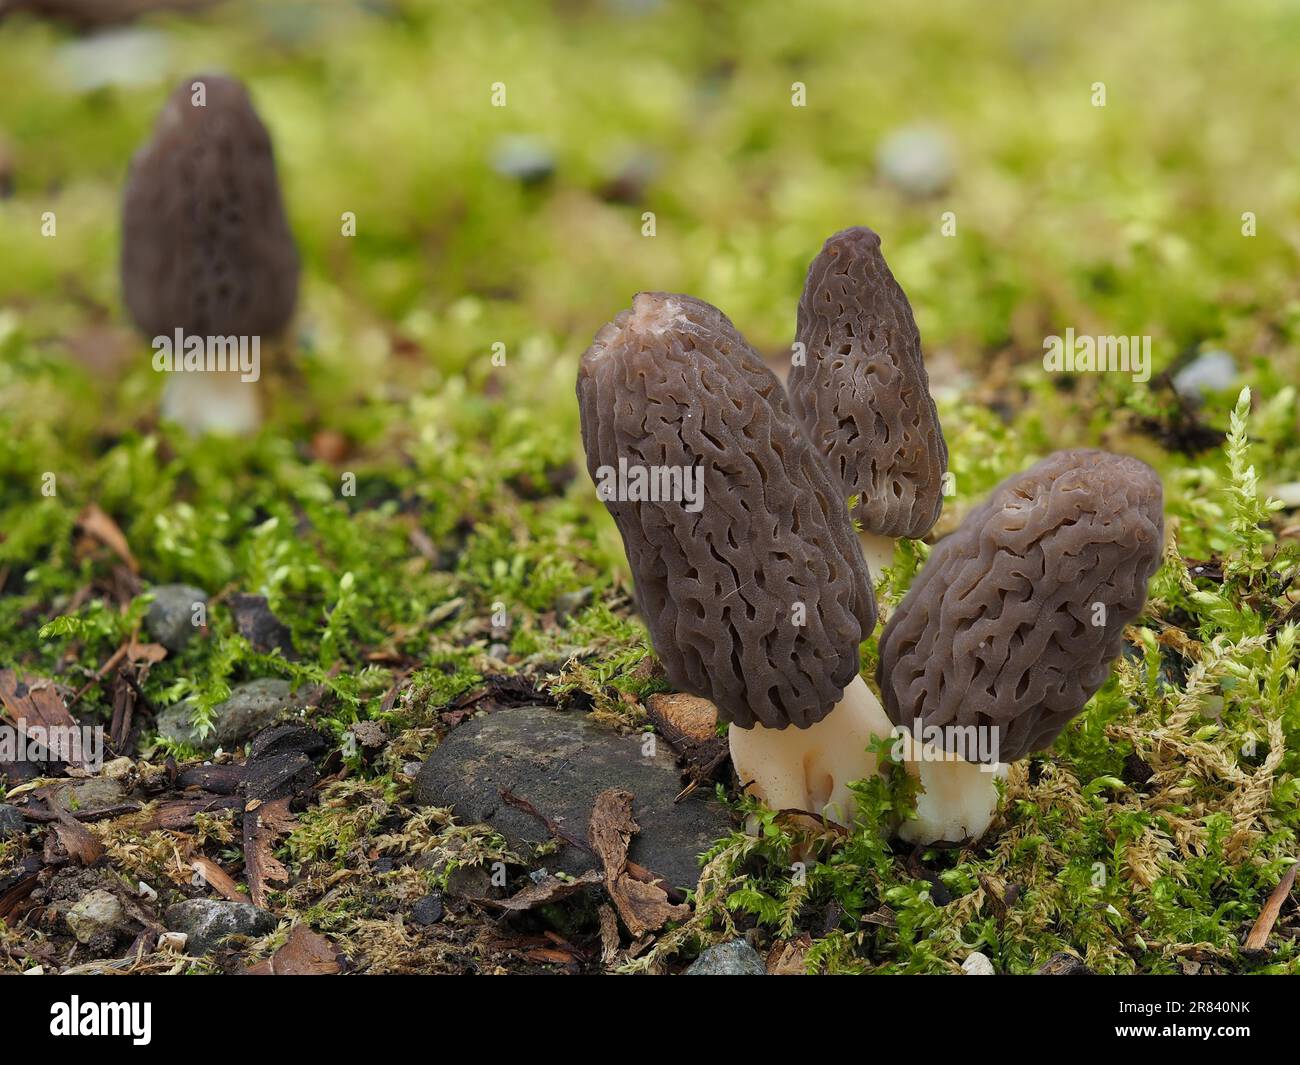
x: 305, y: 953
x: 644, y: 907
x: 789, y: 957
x: 1268, y: 916
x: 150, y: 653
x: 35, y: 701
x: 76, y: 838
x: 99, y: 526
x: 549, y: 889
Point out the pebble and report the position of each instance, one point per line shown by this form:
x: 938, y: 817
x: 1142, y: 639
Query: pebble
x: 977, y: 965
x: 917, y: 160
x: 528, y: 160
x: 428, y: 910
x: 209, y: 921
x: 94, y: 793
x: 96, y: 913
x: 1212, y: 371
x: 170, y: 619
x: 733, y: 958
x: 251, y: 707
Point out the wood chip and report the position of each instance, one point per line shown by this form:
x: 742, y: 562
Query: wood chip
x: 789, y: 957
x: 609, y: 941
x: 264, y: 823
x: 180, y: 813
x: 690, y: 725
x: 217, y: 878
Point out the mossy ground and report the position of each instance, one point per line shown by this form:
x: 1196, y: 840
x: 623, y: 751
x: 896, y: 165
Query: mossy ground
x: 1146, y: 840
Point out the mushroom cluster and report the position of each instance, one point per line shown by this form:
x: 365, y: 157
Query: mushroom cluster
x: 758, y: 597
x: 206, y: 244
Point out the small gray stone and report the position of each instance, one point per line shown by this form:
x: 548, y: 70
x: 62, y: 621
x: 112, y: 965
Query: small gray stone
x: 11, y: 821
x: 528, y: 160
x: 470, y: 882
x: 558, y: 761
x: 94, y: 793
x: 251, y: 707
x: 209, y: 921
x: 977, y: 964
x: 732, y: 958
x: 170, y: 619
x: 572, y: 603
x: 917, y: 160
x: 428, y: 910
x: 1212, y: 371
x: 95, y: 914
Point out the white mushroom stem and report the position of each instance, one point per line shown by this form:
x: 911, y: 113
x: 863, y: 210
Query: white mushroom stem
x: 811, y: 770
x: 878, y: 551
x: 211, y: 403
x: 958, y: 798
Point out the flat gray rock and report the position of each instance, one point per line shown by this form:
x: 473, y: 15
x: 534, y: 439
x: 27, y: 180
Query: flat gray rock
x: 251, y: 707
x: 209, y: 921
x: 559, y: 761
x: 92, y: 793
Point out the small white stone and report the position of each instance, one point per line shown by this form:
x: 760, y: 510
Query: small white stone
x: 977, y: 965
x: 173, y: 942
x: 917, y: 160
x: 1213, y: 371
x: 1288, y: 493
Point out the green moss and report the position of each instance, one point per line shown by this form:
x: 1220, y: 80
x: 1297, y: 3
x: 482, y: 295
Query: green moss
x: 461, y: 495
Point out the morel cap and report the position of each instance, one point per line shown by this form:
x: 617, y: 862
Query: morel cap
x: 206, y: 246
x: 757, y: 597
x: 861, y: 390
x: 1015, y: 619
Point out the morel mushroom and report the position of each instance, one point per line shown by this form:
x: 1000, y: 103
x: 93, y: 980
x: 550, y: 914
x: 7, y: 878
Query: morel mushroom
x: 1013, y: 624
x: 745, y: 567
x: 207, y: 255
x: 861, y: 392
